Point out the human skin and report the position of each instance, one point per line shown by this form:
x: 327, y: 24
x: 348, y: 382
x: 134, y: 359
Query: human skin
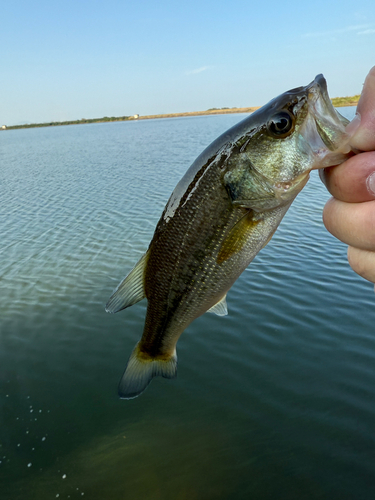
x: 350, y: 214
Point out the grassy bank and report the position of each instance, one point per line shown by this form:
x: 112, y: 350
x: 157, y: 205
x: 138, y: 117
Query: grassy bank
x: 214, y: 111
x: 336, y: 101
x: 345, y: 101
x: 73, y: 122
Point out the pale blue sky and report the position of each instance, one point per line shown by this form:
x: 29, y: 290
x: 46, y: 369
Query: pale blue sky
x: 62, y: 60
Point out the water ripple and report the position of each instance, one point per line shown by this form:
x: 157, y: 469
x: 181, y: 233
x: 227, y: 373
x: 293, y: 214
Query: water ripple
x: 277, y: 398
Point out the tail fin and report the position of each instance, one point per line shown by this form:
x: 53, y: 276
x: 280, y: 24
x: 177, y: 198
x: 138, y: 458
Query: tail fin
x: 140, y: 371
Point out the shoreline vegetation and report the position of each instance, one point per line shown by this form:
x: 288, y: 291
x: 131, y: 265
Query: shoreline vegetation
x: 336, y: 101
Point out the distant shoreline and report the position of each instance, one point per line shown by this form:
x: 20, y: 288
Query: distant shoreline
x: 218, y: 111
x: 336, y: 101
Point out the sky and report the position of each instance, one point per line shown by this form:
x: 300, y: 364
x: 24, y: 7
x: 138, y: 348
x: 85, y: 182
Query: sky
x: 67, y: 60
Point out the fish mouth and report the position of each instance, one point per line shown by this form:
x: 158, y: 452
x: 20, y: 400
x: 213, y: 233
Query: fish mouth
x: 324, y: 129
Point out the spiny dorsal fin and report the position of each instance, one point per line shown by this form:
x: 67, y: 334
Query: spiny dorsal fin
x: 220, y: 308
x: 131, y: 289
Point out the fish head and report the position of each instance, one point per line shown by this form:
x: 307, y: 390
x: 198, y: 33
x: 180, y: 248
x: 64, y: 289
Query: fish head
x: 298, y: 131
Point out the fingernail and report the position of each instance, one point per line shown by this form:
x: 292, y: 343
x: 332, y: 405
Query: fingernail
x: 370, y: 183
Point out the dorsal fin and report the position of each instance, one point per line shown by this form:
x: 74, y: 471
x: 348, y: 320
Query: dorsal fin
x: 131, y: 289
x: 220, y: 308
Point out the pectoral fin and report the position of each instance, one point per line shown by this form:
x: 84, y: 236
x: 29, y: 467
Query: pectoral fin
x: 220, y: 308
x: 237, y: 236
x: 130, y: 290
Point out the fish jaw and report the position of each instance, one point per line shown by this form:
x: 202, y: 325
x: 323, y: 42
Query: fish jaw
x: 324, y: 133
x: 286, y: 191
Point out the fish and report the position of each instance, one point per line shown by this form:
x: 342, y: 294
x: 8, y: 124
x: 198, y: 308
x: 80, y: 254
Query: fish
x: 224, y: 210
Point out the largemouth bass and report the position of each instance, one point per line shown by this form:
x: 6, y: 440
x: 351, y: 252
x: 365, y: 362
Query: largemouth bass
x: 223, y: 211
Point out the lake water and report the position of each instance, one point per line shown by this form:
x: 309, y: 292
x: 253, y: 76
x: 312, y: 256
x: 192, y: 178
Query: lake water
x: 274, y: 401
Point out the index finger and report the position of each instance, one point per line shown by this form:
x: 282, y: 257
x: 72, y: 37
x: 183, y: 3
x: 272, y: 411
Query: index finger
x: 354, y: 180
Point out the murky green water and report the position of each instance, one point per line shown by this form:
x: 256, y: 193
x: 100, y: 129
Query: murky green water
x: 276, y: 400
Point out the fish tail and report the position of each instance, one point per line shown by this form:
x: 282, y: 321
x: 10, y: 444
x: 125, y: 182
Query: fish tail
x: 140, y: 370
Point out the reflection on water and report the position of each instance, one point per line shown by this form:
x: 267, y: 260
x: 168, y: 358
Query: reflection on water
x: 274, y: 401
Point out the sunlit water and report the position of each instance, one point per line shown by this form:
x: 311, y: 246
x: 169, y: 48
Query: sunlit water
x: 274, y: 401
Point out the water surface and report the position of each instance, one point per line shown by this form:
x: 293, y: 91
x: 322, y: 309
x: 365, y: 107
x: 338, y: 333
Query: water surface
x: 276, y: 400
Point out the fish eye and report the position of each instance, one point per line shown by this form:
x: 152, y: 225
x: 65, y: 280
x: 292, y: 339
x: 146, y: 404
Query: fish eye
x: 281, y: 124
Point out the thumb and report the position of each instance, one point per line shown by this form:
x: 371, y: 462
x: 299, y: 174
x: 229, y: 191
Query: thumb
x: 364, y: 137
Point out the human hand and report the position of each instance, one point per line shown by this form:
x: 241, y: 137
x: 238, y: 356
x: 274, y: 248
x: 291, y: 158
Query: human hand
x: 350, y: 214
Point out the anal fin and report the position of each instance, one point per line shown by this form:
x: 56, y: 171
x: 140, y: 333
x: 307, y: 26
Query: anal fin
x: 130, y: 290
x: 220, y: 308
